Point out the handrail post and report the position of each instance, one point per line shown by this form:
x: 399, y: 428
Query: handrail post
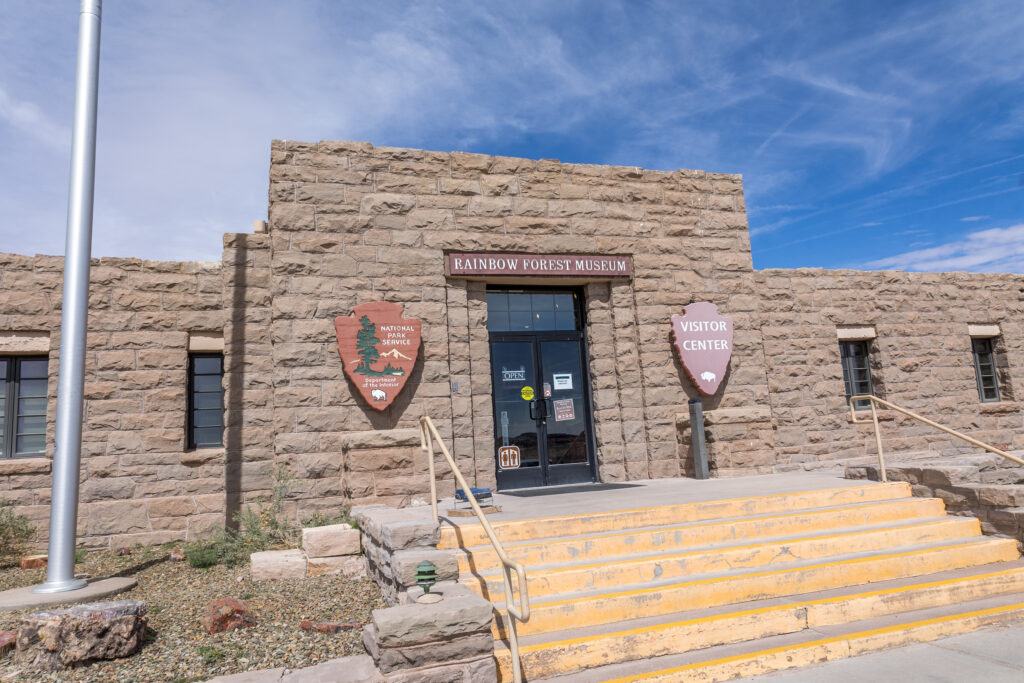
x: 428, y: 445
x: 428, y: 432
x: 878, y: 442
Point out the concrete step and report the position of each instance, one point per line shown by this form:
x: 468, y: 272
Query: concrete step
x: 577, y: 649
x: 769, y: 553
x: 483, y: 560
x: 809, y: 646
x: 458, y: 534
x: 667, y: 597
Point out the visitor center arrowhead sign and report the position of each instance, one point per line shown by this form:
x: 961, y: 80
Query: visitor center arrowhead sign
x: 703, y: 340
x: 378, y: 349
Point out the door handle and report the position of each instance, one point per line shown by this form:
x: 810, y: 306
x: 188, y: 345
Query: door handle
x: 533, y: 404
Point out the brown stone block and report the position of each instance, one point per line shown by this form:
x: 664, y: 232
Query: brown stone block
x: 204, y: 526
x: 171, y: 507
x: 117, y: 517
x: 107, y: 488
x: 400, y: 486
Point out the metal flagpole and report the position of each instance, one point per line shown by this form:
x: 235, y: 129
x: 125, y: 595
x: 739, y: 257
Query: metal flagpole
x: 60, y: 568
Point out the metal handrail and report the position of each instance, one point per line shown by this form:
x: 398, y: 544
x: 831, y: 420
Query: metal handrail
x: 428, y: 433
x: 878, y: 434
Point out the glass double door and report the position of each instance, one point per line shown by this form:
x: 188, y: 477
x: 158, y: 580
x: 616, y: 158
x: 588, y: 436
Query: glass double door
x: 541, y: 410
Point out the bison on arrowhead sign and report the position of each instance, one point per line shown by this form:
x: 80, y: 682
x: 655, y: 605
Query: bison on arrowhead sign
x: 378, y: 348
x: 703, y: 340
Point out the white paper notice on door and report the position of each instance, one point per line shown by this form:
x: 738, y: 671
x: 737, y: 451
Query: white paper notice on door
x: 562, y: 381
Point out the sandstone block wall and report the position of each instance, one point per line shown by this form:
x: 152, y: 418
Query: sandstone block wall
x: 139, y: 484
x: 921, y: 359
x: 351, y: 223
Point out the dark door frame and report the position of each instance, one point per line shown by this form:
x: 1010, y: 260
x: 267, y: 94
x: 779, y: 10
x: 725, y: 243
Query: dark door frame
x: 536, y: 337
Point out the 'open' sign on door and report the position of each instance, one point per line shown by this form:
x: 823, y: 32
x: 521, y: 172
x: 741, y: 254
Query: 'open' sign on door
x: 508, y: 457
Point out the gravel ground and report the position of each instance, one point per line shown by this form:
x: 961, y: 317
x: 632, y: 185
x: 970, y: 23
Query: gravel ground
x: 175, y: 595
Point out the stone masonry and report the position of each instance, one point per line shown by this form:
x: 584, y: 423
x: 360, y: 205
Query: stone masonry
x: 351, y: 223
x: 921, y: 359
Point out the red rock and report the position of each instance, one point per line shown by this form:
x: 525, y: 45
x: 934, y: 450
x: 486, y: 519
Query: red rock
x: 329, y: 626
x: 227, y: 614
x: 177, y: 555
x: 7, y: 641
x: 32, y: 562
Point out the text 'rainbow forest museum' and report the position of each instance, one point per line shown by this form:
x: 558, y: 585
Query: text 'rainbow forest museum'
x: 553, y: 319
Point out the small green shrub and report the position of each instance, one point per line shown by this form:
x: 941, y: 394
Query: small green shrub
x: 80, y: 554
x: 15, y: 531
x: 201, y: 555
x: 262, y: 526
x: 320, y: 518
x: 210, y: 654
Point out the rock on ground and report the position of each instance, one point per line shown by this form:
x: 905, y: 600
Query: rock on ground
x: 58, y: 639
x: 227, y: 614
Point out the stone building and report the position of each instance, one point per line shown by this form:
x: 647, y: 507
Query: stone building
x: 559, y: 279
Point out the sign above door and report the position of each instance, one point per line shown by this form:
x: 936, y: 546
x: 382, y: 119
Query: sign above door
x: 566, y: 265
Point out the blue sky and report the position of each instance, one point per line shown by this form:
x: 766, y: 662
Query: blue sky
x: 869, y: 134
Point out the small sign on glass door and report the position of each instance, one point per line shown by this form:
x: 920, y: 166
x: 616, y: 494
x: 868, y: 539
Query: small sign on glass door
x: 564, y: 410
x: 563, y: 381
x: 508, y: 457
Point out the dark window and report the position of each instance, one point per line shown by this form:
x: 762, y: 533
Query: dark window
x: 23, y: 382
x: 531, y: 311
x: 205, y: 400
x: 856, y: 370
x: 985, y: 370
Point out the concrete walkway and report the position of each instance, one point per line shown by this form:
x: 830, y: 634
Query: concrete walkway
x: 993, y: 655
x: 554, y: 501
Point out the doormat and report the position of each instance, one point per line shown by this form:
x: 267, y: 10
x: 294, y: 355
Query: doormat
x: 575, y: 488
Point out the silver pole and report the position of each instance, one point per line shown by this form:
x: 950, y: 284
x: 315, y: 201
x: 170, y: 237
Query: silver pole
x: 60, y: 569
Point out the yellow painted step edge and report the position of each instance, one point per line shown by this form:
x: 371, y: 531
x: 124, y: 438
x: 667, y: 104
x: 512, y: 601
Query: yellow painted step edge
x: 854, y: 560
x: 762, y: 610
x: 1005, y: 609
x: 951, y: 521
x: 451, y: 530
x: 853, y: 507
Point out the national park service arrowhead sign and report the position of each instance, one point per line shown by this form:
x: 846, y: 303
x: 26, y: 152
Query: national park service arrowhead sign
x: 703, y: 340
x: 378, y: 348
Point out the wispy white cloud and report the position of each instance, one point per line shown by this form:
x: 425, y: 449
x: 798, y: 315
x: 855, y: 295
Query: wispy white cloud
x: 30, y: 119
x: 974, y: 219
x: 994, y: 250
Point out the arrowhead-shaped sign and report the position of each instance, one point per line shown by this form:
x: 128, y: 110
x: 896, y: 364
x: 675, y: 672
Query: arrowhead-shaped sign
x: 703, y: 340
x: 378, y: 348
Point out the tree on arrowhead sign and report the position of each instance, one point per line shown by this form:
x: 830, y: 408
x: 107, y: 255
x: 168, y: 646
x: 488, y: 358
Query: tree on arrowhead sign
x: 378, y: 348
x: 703, y: 340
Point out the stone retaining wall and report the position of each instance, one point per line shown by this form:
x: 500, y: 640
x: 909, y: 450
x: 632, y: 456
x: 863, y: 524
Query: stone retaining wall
x: 988, y: 487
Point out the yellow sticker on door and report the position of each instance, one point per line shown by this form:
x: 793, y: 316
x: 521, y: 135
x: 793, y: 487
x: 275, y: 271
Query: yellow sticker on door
x: 527, y: 393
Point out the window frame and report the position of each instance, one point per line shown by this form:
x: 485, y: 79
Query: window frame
x: 8, y: 445
x: 849, y: 377
x: 978, y: 379
x: 190, y: 426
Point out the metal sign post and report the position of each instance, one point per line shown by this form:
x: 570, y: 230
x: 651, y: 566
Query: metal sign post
x: 700, y: 451
x: 60, y: 568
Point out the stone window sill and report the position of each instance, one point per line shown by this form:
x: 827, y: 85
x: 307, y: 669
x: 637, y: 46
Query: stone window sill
x: 24, y: 466
x: 999, y: 407
x: 201, y: 456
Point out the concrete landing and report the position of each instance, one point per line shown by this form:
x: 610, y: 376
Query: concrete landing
x: 17, y: 599
x: 552, y: 501
x: 993, y: 655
